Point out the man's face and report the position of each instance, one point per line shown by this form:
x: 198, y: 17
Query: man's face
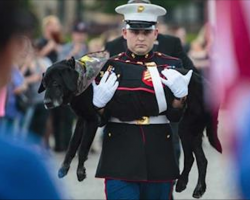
x: 140, y: 42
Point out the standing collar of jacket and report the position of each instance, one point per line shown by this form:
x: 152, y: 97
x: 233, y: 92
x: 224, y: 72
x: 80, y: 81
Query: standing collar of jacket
x: 134, y: 57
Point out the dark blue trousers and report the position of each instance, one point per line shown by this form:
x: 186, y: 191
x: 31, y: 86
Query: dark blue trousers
x: 117, y: 189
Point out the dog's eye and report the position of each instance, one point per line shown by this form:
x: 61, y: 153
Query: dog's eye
x: 54, y: 83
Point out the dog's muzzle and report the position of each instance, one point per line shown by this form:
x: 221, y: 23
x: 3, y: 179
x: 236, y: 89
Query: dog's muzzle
x: 49, y: 104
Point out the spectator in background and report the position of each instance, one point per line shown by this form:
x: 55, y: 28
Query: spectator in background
x: 15, y: 88
x: 111, y: 35
x: 77, y: 47
x: 50, y: 43
x: 11, y: 122
x: 32, y: 69
x: 181, y: 33
x: 199, y: 51
x: 96, y: 44
x: 24, y: 174
x: 62, y: 117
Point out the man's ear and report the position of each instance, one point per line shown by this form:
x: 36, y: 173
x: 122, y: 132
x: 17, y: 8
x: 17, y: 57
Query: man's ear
x: 124, y: 33
x: 156, y: 32
x: 41, y: 88
x: 70, y: 78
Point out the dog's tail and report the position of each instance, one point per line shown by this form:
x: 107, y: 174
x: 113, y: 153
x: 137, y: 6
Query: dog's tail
x: 212, y: 130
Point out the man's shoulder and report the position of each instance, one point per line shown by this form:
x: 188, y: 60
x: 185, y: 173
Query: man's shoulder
x: 119, y: 57
x: 165, y: 56
x: 164, y: 59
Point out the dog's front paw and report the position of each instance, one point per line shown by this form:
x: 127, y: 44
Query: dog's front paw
x: 200, y: 189
x: 63, y: 171
x: 181, y: 185
x: 81, y: 173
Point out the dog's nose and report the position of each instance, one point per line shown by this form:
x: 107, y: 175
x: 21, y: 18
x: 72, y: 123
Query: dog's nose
x: 48, y: 103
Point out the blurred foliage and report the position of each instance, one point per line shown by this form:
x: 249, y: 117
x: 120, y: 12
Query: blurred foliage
x: 26, y: 3
x: 191, y: 37
x: 108, y: 6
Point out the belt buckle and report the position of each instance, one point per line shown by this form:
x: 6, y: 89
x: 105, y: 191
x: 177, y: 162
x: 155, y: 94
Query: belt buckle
x: 143, y: 121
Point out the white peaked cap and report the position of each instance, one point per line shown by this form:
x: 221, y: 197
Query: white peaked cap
x: 141, y: 12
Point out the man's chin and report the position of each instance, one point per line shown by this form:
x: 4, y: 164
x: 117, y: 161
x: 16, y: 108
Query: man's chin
x: 141, y: 52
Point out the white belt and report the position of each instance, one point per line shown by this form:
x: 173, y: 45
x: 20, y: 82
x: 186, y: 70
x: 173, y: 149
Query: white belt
x: 161, y: 119
x: 159, y: 91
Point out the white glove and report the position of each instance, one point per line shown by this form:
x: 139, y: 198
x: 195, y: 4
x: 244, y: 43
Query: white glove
x: 105, y: 90
x: 177, y: 82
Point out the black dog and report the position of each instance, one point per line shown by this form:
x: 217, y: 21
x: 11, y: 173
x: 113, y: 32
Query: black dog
x: 196, y: 119
x: 62, y: 82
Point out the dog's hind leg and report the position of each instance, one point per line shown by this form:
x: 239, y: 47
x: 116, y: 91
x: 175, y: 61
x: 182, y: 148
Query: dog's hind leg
x: 188, y: 162
x: 202, y: 168
x: 72, y: 148
x: 90, y: 128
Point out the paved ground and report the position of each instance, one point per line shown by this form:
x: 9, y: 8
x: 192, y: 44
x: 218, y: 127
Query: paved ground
x: 220, y: 184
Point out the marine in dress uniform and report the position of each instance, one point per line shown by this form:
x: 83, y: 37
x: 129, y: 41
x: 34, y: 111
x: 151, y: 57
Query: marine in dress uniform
x: 137, y: 159
x: 166, y: 44
x: 150, y: 152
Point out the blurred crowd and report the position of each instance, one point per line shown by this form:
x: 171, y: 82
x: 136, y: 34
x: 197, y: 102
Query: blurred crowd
x: 24, y: 111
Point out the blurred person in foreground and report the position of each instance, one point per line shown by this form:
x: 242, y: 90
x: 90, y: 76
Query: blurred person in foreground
x: 24, y: 174
x: 137, y: 159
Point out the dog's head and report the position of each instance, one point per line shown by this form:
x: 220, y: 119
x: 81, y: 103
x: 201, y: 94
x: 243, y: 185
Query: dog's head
x: 60, y: 83
x: 68, y: 78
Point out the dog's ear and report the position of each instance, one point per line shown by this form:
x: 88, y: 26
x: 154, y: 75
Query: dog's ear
x: 70, y: 78
x: 41, y: 88
x: 71, y: 62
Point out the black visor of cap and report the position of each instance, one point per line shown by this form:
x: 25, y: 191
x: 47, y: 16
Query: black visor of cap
x: 135, y: 25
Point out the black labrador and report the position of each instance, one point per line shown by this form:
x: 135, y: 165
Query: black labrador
x: 64, y: 83
x: 60, y: 80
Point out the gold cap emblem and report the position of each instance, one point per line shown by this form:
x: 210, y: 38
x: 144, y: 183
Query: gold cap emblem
x: 140, y: 9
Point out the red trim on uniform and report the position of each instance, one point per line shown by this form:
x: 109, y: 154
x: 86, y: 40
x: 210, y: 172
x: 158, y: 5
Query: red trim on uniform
x: 105, y: 188
x: 160, y: 181
x: 136, y: 89
x: 117, y: 56
x: 171, y: 191
x: 141, y: 58
x: 143, y: 135
x: 131, y: 62
x: 128, y: 56
x: 166, y: 56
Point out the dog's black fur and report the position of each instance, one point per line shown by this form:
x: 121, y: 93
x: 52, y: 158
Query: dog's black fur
x: 60, y: 83
x: 197, y: 117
